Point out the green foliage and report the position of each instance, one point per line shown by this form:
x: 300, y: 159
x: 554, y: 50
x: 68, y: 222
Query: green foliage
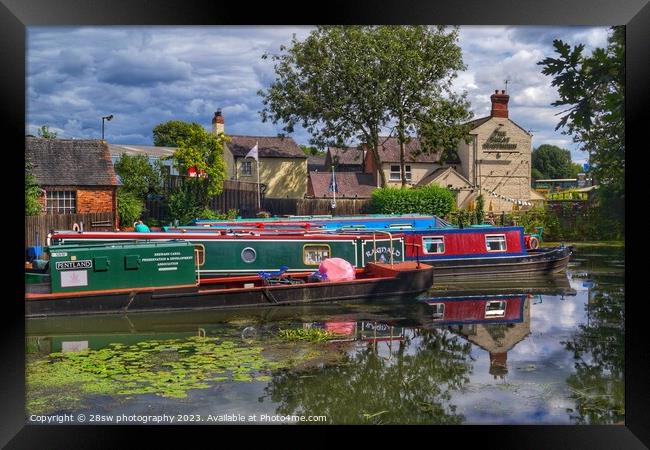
x: 203, y: 151
x: 480, y: 209
x: 32, y: 192
x: 138, y: 176
x: 185, y: 204
x: 45, y: 132
x: 345, y: 83
x: 552, y: 162
x: 432, y: 199
x: 129, y: 207
x: 593, y: 88
x: 311, y: 150
x: 171, y: 133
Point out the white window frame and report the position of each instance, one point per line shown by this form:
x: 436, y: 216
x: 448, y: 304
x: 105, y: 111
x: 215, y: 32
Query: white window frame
x: 397, y: 175
x: 501, y: 236
x: 500, y: 312
x: 424, y: 248
x: 308, y: 250
x: 247, y: 168
x: 61, y: 202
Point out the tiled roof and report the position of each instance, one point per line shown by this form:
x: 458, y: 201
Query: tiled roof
x: 70, y: 162
x: 349, y: 184
x: 477, y: 122
x: 345, y: 156
x: 438, y: 172
x: 389, y: 151
x: 268, y: 146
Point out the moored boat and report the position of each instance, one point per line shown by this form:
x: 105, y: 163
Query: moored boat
x: 156, y: 276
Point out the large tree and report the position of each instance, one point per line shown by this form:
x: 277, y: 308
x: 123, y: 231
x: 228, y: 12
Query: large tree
x: 138, y: 176
x: 348, y: 83
x: 420, y: 64
x: 200, y: 153
x: 592, y: 88
x: 550, y: 161
x: 169, y: 134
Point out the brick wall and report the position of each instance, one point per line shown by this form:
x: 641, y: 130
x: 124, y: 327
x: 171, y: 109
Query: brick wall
x: 95, y: 200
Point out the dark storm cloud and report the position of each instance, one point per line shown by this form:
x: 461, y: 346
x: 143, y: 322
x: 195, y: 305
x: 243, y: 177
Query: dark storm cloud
x: 148, y: 75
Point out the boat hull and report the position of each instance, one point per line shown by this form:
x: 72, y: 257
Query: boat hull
x: 538, y: 262
x: 401, y: 281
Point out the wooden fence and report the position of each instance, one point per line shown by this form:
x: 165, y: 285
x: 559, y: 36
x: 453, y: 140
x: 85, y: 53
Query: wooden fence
x: 239, y: 195
x: 346, y: 207
x: 43, y: 224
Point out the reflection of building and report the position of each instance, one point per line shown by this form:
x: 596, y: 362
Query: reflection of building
x: 497, y: 339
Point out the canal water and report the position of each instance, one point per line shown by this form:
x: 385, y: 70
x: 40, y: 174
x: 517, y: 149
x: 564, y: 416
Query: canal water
x: 542, y: 351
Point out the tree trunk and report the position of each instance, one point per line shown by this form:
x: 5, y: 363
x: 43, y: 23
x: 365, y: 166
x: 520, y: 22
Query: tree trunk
x: 401, y: 138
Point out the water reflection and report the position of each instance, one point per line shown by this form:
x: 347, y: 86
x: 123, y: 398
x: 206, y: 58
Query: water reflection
x: 530, y: 351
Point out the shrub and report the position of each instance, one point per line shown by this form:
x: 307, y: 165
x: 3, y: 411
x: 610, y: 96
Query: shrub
x: 129, y: 207
x: 435, y: 200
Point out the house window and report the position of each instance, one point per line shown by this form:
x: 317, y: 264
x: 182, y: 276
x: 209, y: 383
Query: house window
x: 61, y: 202
x: 396, y: 174
x: 313, y: 255
x: 432, y: 244
x: 495, y: 243
x: 438, y: 311
x: 495, y: 309
x: 247, y: 168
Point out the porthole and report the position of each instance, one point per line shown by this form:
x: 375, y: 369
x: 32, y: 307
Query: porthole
x: 248, y: 255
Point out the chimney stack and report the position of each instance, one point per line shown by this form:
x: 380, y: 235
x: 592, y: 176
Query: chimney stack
x: 217, y: 123
x: 499, y: 104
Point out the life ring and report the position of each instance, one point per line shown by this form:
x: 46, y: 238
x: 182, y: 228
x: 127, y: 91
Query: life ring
x: 534, y: 243
x: 76, y: 227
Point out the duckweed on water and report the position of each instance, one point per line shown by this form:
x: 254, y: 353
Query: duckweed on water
x: 307, y: 334
x: 167, y: 368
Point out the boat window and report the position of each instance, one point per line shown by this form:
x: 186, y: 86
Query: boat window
x: 438, y: 311
x: 495, y: 309
x: 199, y: 253
x: 313, y: 255
x: 433, y: 244
x: 248, y: 255
x: 495, y: 243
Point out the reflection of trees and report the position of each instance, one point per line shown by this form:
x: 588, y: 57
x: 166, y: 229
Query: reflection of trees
x: 598, y: 384
x: 413, y: 386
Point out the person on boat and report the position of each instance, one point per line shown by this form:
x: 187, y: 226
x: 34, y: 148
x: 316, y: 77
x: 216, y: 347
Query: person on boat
x: 141, y: 227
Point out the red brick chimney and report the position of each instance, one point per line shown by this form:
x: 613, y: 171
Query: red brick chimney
x: 499, y: 104
x: 217, y: 123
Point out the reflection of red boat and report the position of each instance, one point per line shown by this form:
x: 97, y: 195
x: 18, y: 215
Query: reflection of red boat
x: 477, y: 309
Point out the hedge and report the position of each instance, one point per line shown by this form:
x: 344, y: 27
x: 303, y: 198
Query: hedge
x: 435, y: 200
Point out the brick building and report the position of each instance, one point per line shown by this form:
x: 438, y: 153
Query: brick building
x: 496, y: 163
x: 76, y: 176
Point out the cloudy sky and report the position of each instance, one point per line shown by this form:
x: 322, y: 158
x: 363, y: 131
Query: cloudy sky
x: 148, y: 75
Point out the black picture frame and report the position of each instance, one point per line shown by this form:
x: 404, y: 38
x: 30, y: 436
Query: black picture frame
x: 16, y: 15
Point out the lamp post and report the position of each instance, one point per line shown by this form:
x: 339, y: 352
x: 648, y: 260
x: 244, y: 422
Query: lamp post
x: 109, y: 118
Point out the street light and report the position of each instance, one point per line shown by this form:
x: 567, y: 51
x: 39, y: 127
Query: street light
x: 109, y: 118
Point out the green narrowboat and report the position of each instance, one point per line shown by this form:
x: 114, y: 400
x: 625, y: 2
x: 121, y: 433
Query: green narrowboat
x: 232, y: 254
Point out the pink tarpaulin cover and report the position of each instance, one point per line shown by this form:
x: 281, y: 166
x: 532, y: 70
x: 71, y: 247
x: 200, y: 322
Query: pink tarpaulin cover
x: 337, y: 269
